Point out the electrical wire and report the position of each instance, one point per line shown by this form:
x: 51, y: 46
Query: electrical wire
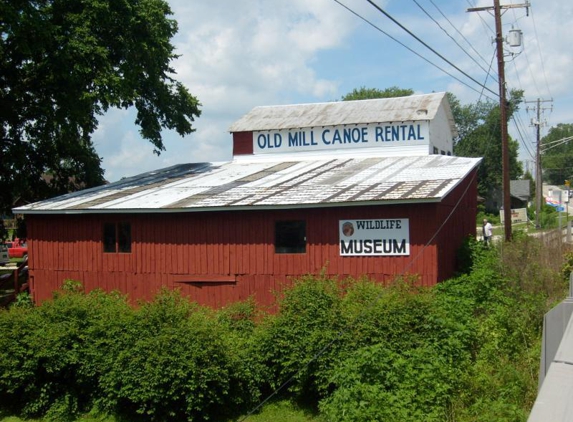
x: 521, y: 137
x: 412, y: 51
x: 484, y: 23
x: 458, y: 31
x: 454, y: 40
x: 487, y: 75
x: 521, y: 128
x: 427, y: 46
x: 540, y: 54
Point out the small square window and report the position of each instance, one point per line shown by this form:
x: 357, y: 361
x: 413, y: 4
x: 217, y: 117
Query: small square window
x: 290, y: 236
x: 117, y: 237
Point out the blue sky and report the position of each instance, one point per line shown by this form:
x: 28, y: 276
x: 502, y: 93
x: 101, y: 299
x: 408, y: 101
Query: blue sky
x: 238, y: 54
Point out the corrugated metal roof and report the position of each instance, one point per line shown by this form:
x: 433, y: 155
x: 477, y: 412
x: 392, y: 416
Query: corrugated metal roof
x: 271, y: 183
x: 399, y: 109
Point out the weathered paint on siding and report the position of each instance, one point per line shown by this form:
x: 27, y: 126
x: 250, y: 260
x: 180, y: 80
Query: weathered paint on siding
x: 234, y: 251
x: 243, y: 143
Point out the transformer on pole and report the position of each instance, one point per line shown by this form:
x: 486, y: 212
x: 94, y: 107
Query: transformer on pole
x: 503, y: 107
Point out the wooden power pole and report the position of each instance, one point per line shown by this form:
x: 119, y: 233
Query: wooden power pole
x: 538, y: 172
x: 503, y: 109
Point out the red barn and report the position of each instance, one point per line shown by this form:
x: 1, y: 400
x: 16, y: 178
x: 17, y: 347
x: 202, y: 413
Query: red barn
x: 352, y: 188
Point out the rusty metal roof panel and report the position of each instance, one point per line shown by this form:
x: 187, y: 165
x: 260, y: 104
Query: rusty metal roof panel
x: 399, y: 109
x: 271, y: 182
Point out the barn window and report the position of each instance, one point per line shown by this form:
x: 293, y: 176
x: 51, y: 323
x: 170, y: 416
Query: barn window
x: 117, y: 237
x: 290, y: 236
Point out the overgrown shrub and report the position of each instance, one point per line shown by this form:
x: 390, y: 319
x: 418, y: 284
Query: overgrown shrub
x: 50, y: 356
x: 465, y: 350
x: 167, y: 360
x: 379, y: 384
x: 296, y: 344
x: 174, y: 362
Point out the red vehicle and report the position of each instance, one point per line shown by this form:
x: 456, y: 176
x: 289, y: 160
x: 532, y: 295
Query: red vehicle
x: 17, y: 248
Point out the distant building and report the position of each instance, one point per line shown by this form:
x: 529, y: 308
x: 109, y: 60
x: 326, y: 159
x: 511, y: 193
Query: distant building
x: 520, y: 195
x: 351, y: 188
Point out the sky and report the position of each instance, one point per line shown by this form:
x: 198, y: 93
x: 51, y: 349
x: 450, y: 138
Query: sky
x: 239, y: 54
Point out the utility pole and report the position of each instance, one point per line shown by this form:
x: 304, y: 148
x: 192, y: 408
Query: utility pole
x: 503, y: 109
x: 538, y: 172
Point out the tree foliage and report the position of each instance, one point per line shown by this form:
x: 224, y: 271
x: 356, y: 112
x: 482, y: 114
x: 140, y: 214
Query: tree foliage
x: 557, y: 159
x: 479, y: 135
x: 364, y: 93
x: 64, y: 63
x: 479, y: 132
x: 354, y: 350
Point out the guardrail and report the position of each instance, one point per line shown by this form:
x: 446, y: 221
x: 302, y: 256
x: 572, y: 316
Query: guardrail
x: 554, y: 401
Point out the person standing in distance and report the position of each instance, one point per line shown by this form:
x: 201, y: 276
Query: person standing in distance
x: 487, y: 231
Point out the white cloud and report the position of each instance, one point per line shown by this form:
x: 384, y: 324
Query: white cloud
x: 237, y: 54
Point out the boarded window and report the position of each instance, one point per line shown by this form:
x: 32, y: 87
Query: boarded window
x: 117, y: 237
x: 290, y: 236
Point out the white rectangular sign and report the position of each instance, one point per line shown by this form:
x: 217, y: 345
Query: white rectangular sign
x: 518, y: 215
x: 387, y: 237
x: 341, y: 137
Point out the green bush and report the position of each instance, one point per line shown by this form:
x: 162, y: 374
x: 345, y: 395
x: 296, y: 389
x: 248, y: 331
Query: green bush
x: 378, y: 384
x: 296, y: 344
x: 167, y: 360
x: 465, y: 350
x: 174, y: 362
x: 49, y: 354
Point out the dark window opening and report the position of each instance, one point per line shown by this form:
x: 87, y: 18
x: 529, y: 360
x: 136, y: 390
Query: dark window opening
x: 435, y: 150
x: 117, y: 237
x: 124, y: 237
x: 109, y: 237
x: 290, y: 237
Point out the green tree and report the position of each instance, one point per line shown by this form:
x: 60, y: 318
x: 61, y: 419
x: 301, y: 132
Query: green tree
x: 532, y: 187
x: 557, y: 159
x: 479, y: 132
x: 364, y: 93
x: 64, y: 63
x: 479, y: 127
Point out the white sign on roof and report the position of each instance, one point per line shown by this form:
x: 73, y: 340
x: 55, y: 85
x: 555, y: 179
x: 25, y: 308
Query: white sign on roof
x: 412, y: 125
x: 342, y: 137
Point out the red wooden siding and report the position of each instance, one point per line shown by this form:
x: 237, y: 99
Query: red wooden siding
x: 219, y: 257
x: 462, y: 205
x: 243, y: 143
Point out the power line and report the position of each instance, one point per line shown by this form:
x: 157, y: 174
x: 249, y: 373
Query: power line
x: 428, y: 47
x: 487, y: 75
x: 483, y: 21
x: 540, y: 55
x: 452, y: 38
x: 521, y: 128
x: 523, y: 142
x: 411, y: 50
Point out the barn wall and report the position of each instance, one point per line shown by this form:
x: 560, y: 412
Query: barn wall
x: 219, y: 257
x: 459, y: 208
x: 243, y: 143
